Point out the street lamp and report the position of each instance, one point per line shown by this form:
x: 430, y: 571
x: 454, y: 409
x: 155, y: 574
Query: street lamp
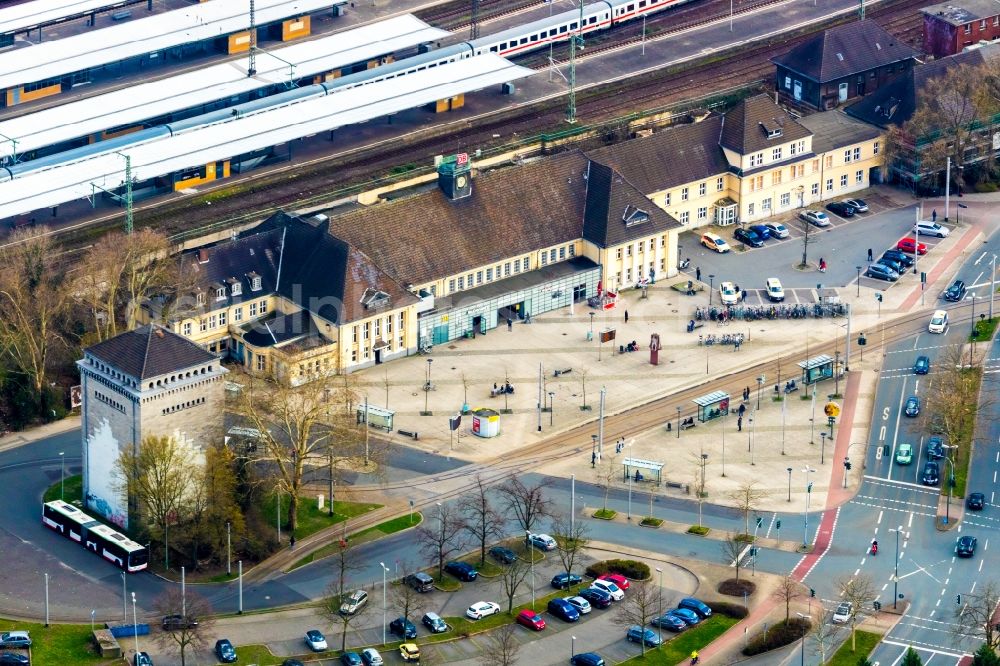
x: 659, y: 597
x: 802, y: 657
x: 572, y: 646
x: 951, y: 483
x: 531, y: 555
x: 593, y: 451
x: 711, y: 286
x: 809, y: 488
x: 859, y: 281
x: 629, y: 489
x: 789, y: 484
x: 678, y: 421
x: 385, y: 570
x: 135, y: 625
x: 62, y: 475
x: 591, y: 325
x: 760, y: 384
x: 552, y: 405
x: 427, y: 385
x: 895, y: 575
x: 822, y: 450
x: 124, y: 601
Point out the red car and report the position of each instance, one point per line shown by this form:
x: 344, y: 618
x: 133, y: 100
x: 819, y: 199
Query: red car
x: 907, y: 245
x: 531, y: 620
x: 618, y: 579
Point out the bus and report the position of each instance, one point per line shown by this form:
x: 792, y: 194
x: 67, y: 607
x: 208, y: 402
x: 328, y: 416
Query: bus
x: 95, y: 536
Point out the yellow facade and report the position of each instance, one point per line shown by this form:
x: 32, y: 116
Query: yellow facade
x: 694, y: 204
x: 390, y: 332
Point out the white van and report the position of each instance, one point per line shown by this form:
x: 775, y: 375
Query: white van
x: 939, y: 322
x: 775, y: 292
x: 926, y: 228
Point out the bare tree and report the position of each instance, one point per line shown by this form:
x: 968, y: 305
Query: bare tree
x: 583, y: 388
x: 386, y: 383
x: 860, y: 592
x: 502, y: 647
x: 824, y: 634
x: 788, y: 590
x: 405, y: 599
x: 571, y: 536
x: 511, y: 579
x: 482, y: 521
x: 526, y: 503
x: 807, y: 237
x: 732, y: 550
x: 214, y: 505
x: 193, y: 630
x: 606, y: 471
x: 974, y: 617
x: 640, y: 606
x: 337, y: 592
x: 465, y: 389
x: 747, y: 497
x: 441, y: 539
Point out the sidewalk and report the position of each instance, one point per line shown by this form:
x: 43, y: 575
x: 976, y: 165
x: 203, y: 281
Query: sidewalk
x: 16, y: 439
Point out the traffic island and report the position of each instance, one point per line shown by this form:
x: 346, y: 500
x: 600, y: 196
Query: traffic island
x: 950, y: 512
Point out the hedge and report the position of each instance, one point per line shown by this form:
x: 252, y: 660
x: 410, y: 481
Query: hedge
x: 628, y: 568
x: 728, y: 609
x: 781, y: 634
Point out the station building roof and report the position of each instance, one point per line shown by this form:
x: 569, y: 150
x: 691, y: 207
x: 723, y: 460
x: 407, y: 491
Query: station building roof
x: 29, y: 15
x: 155, y: 99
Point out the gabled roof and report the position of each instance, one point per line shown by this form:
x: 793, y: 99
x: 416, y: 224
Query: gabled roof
x: 669, y: 157
x: 617, y: 211
x: 511, y: 211
x: 756, y: 124
x: 966, y: 11
x: 237, y: 260
x: 894, y: 103
x: 149, y: 351
x: 845, y: 50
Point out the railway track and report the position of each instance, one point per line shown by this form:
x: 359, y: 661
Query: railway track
x: 629, y: 423
x: 457, y: 16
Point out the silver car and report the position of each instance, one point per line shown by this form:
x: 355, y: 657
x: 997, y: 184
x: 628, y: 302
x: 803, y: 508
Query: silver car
x: 815, y: 217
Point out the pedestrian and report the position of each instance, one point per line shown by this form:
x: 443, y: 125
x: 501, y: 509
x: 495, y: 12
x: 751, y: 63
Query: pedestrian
x: 510, y: 324
x: 593, y: 459
x: 739, y: 423
x: 291, y: 542
x: 744, y: 295
x: 934, y: 215
x: 697, y: 273
x: 743, y: 408
x: 869, y: 254
x: 626, y: 316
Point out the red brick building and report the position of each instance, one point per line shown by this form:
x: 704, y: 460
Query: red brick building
x: 949, y: 28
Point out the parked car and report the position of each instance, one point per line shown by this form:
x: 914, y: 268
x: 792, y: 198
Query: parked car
x: 670, y: 622
x: 636, y: 633
x: 581, y: 605
x: 975, y: 501
x: 225, y: 651
x: 354, y: 602
x: 931, y: 475
x: 609, y: 587
x: 775, y: 292
x: 616, y: 578
x: 351, y: 659
x: 904, y: 454
x: 138, y: 659
x: 531, y: 620
x: 420, y: 582
x: 965, y: 546
x: 563, y: 610
x: 858, y: 205
x: 316, y: 640
x: 409, y: 652
x: 292, y: 662
x: 922, y: 365
x: 777, y: 229
x: 882, y: 272
x: 481, y: 609
x: 935, y: 448
x: 728, y: 293
x: 403, y: 628
x: 461, y: 570
x: 840, y: 208
x: 925, y: 228
x: 761, y: 230
x: 893, y: 264
x: 714, y: 242
x: 171, y: 622
x: 748, y: 237
x: 371, y: 657
x: 434, y: 622
x: 815, y: 217
x: 901, y: 257
x: 956, y: 291
x: 688, y: 615
x: 502, y: 554
x: 542, y: 541
x: 15, y: 639
x: 597, y: 598
x: 586, y: 659
x: 15, y: 659
x: 938, y: 322
x: 696, y: 605
x: 843, y: 612
x: 912, y: 406
x: 564, y: 580
x: 908, y: 244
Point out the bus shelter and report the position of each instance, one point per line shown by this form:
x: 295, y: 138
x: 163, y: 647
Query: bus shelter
x: 816, y: 369
x: 712, y: 406
x: 635, y: 467
x: 377, y: 417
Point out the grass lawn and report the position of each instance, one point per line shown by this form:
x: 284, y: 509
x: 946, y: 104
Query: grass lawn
x: 370, y: 534
x: 962, y: 458
x: 63, y: 644
x: 311, y: 518
x: 256, y: 654
x: 985, y: 330
x: 866, y: 643
x: 72, y: 490
x: 679, y: 648
x: 605, y: 514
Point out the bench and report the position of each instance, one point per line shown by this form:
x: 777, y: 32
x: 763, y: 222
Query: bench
x: 562, y: 372
x: 121, y: 15
x: 408, y: 433
x: 688, y: 423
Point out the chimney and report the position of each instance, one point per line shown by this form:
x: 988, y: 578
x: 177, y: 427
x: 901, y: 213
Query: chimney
x: 203, y: 256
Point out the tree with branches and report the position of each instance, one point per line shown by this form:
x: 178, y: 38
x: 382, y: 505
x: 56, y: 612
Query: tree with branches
x: 406, y: 600
x: 482, y: 521
x: 911, y: 658
x: 974, y: 617
x: 526, y: 503
x: 571, y: 537
x: 583, y: 388
x: 344, y: 561
x: 824, y: 634
x: 214, y: 505
x: 732, y: 551
x: 502, y: 647
x: 194, y: 631
x: 859, y: 592
x: 788, y: 590
x: 747, y: 498
x: 512, y: 577
x: 640, y: 606
x: 808, y: 237
x: 985, y: 656
x: 441, y: 538
x: 606, y: 472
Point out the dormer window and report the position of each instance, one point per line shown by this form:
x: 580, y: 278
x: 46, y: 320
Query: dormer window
x: 374, y: 298
x: 255, y: 281
x: 199, y: 298
x: 220, y: 291
x: 235, y: 288
x: 633, y: 216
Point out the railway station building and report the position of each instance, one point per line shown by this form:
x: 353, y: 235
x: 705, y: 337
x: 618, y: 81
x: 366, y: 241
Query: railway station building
x: 951, y: 27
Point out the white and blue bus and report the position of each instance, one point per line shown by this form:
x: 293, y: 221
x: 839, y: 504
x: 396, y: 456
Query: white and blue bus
x: 96, y: 537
